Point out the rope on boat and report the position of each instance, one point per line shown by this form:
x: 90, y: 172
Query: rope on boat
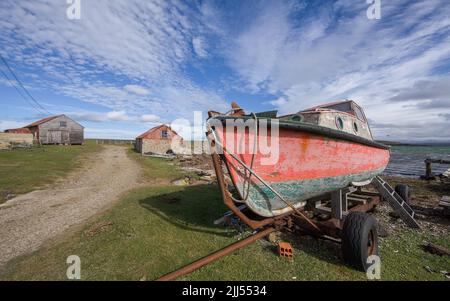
x: 289, y: 204
x: 247, y: 178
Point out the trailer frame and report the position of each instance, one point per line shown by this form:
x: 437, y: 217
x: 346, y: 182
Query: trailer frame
x: 337, y: 204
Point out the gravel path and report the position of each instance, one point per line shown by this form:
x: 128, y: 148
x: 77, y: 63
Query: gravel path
x: 27, y: 221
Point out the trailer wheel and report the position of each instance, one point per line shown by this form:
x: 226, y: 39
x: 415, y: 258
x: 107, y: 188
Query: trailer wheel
x: 404, y: 191
x: 359, y: 239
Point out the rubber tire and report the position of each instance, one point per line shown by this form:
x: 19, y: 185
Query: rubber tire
x: 404, y: 191
x: 355, y: 237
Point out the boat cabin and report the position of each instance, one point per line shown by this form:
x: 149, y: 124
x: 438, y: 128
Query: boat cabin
x: 344, y: 116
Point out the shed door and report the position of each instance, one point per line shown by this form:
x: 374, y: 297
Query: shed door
x: 65, y: 139
x: 58, y: 137
x: 54, y: 137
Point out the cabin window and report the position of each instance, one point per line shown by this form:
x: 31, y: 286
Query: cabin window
x: 339, y: 123
x: 164, y: 134
x: 297, y: 118
x: 355, y: 127
x: 63, y: 124
x: 343, y: 107
x: 359, y: 113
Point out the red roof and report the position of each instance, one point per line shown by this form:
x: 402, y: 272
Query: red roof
x: 155, y: 129
x: 19, y: 131
x: 44, y: 120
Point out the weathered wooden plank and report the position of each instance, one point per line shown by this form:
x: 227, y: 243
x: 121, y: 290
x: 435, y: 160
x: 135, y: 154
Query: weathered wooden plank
x: 445, y: 202
x: 436, y: 249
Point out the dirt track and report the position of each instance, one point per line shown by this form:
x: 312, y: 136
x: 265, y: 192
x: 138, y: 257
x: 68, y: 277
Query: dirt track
x: 29, y: 220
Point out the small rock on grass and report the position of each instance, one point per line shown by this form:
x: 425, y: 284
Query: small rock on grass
x: 10, y: 196
x: 181, y: 182
x: 429, y: 270
x: 394, y: 214
x: 274, y: 237
x: 383, y: 231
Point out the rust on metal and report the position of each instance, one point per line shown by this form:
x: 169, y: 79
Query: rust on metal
x: 375, y: 200
x: 296, y: 219
x: 254, y: 224
x: 216, y: 255
x: 237, y: 110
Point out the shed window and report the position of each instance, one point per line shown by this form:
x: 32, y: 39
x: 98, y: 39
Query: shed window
x: 164, y: 134
x: 63, y: 124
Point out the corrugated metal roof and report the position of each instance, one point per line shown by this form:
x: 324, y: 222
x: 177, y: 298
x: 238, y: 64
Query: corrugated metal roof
x: 18, y: 131
x: 154, y: 129
x: 43, y: 120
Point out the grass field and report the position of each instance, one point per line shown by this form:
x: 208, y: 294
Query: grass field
x: 157, y: 170
x: 155, y: 230
x: 22, y: 171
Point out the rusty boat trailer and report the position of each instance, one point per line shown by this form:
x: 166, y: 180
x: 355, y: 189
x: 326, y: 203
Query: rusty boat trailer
x: 342, y: 201
x: 343, y: 214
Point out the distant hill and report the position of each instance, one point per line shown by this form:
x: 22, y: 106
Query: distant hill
x: 415, y: 143
x: 390, y: 142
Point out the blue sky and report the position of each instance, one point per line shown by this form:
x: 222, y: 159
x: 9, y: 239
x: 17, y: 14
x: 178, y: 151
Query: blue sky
x: 126, y: 66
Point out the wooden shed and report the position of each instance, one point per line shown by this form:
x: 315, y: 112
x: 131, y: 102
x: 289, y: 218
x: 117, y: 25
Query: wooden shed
x: 58, y: 129
x: 157, y: 140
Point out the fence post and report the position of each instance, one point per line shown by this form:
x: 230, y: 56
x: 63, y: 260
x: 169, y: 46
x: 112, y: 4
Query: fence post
x: 428, y: 169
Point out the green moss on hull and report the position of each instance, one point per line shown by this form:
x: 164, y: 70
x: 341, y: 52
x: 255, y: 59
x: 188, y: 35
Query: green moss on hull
x: 264, y: 202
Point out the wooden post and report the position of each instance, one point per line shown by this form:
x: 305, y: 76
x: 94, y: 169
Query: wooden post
x: 428, y: 169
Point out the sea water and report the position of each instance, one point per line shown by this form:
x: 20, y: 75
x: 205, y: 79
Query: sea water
x: 409, y: 160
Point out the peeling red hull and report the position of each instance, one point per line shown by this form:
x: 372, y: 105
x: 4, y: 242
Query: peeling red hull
x: 308, y: 165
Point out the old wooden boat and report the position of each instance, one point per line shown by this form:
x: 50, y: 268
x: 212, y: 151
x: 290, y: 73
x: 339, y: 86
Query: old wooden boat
x: 320, y: 150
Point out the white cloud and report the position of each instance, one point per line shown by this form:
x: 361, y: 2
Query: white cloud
x: 331, y: 52
x: 10, y: 124
x: 109, y: 133
x: 335, y: 52
x: 93, y: 117
x: 256, y: 51
x: 117, y: 116
x: 136, y: 89
x: 81, y: 116
x: 279, y: 102
x: 149, y: 118
x: 199, y: 47
x: 136, y: 41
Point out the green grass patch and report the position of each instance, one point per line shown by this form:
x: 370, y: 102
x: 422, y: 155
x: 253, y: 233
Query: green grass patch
x: 156, y: 230
x: 161, y: 169
x: 152, y: 231
x: 25, y: 170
